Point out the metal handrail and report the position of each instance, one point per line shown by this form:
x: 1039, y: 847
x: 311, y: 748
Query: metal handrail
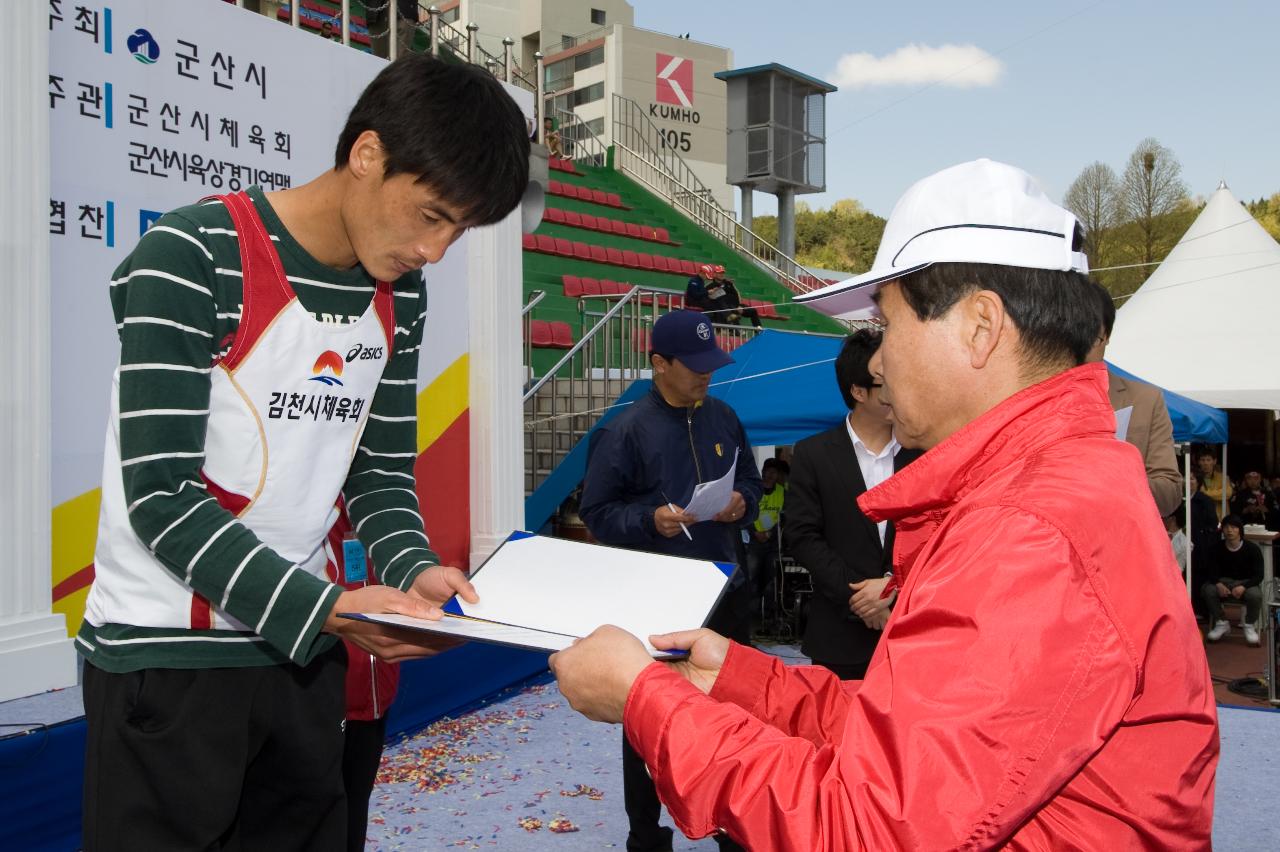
x: 535, y: 296
x: 721, y: 226
x: 578, y: 347
x: 574, y: 132
x: 667, y: 174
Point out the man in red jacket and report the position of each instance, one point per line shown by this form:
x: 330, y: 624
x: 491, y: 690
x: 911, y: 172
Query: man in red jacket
x: 1022, y: 694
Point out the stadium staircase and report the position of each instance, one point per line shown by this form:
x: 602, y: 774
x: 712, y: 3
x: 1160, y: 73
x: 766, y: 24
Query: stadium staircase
x: 609, y: 258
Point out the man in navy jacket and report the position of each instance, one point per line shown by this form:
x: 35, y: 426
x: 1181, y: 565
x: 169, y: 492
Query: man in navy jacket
x: 642, y: 467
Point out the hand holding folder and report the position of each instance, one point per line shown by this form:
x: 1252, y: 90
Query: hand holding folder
x: 544, y: 593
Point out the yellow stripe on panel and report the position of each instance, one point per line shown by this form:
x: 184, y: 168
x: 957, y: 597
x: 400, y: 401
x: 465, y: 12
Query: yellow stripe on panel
x: 75, y: 530
x: 442, y: 402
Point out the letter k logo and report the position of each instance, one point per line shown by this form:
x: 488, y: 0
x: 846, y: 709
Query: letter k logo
x: 675, y: 80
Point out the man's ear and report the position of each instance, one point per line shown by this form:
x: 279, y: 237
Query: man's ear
x: 859, y: 394
x: 986, y: 324
x: 367, y: 156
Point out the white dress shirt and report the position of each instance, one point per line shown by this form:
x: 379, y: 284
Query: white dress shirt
x: 875, y: 467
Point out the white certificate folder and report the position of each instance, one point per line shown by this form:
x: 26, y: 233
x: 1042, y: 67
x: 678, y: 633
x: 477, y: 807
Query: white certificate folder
x: 542, y: 593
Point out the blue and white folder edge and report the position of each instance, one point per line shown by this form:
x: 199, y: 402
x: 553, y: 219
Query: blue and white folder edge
x: 542, y: 593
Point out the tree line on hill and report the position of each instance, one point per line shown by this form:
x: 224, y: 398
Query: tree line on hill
x: 1132, y: 220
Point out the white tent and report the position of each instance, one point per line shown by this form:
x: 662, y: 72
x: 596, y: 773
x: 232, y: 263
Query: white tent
x: 1201, y: 325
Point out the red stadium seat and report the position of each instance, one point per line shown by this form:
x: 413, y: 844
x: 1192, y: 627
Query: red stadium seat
x: 633, y: 231
x: 688, y: 267
x: 615, y: 256
x: 598, y: 254
x: 561, y: 335
x: 591, y: 287
x: 645, y: 260
x: 588, y: 221
x: 599, y: 197
x: 564, y: 248
x: 615, y: 200
x: 573, y: 219
x: 554, y: 214
x: 629, y: 259
x: 661, y: 235
x: 582, y: 251
x: 540, y: 334
x: 661, y: 263
x: 528, y: 242
x: 572, y: 285
x: 555, y: 187
x: 546, y: 244
x: 618, y: 227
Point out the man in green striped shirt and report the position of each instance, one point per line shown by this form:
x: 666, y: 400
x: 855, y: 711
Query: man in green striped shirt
x: 267, y: 380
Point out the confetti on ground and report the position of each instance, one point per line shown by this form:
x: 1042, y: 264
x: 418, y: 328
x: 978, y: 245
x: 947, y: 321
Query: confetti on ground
x: 531, y: 823
x: 583, y: 790
x: 562, y: 825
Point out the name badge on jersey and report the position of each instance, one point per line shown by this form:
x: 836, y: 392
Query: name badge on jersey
x: 354, y: 569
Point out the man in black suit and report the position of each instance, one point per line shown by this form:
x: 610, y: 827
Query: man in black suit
x: 847, y: 555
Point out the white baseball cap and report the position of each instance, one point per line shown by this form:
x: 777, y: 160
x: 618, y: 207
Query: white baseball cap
x: 976, y: 212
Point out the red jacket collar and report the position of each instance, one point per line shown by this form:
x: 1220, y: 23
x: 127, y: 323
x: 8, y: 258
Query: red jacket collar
x: 1070, y: 404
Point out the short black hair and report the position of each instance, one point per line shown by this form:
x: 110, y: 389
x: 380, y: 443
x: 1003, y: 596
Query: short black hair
x: 1233, y: 520
x: 775, y: 464
x: 1107, y: 306
x: 1056, y: 312
x: 451, y: 125
x: 1206, y: 451
x: 853, y: 360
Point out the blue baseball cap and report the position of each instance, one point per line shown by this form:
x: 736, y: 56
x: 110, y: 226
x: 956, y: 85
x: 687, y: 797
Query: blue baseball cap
x: 688, y: 337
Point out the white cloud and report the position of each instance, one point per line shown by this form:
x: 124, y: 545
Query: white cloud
x: 961, y: 66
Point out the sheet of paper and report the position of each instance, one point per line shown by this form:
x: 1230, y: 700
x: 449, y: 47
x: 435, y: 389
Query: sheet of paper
x: 488, y: 631
x: 1123, y: 416
x: 709, y: 498
x: 570, y: 587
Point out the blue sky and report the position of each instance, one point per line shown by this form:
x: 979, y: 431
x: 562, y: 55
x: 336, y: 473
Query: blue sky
x: 1065, y: 84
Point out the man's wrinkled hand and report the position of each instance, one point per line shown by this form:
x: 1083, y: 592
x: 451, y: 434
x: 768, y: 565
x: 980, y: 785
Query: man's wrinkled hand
x: 707, y: 650
x: 596, y: 673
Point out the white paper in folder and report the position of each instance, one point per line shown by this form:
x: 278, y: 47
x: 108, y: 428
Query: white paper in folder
x: 542, y: 593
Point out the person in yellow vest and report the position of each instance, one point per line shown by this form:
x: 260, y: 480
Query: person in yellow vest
x: 762, y: 548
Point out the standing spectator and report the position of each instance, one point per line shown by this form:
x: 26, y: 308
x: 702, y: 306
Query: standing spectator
x: 1204, y: 535
x: 1213, y: 479
x: 1255, y: 503
x: 763, y: 547
x: 213, y: 677
x: 1178, y: 539
x: 1237, y: 575
x: 1149, y: 427
x: 847, y: 555
x: 640, y: 467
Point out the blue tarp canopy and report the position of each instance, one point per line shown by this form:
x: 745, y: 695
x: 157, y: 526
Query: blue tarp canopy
x: 783, y: 387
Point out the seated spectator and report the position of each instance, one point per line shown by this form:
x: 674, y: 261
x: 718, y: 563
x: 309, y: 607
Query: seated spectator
x: 1213, y: 480
x: 1255, y: 502
x: 695, y: 292
x: 552, y: 137
x: 1237, y: 570
x: 727, y: 304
